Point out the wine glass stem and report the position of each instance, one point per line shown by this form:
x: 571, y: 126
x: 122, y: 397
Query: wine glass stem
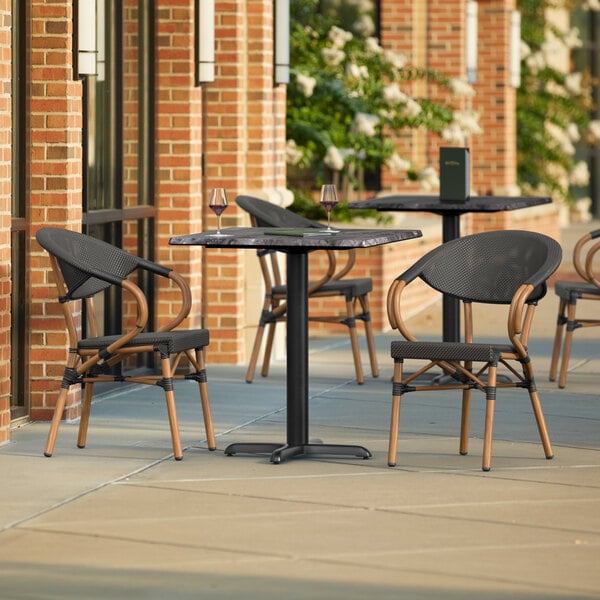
x: 328, y: 219
x: 218, y: 223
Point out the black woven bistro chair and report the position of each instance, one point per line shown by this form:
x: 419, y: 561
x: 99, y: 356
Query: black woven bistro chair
x: 569, y: 292
x: 83, y: 267
x: 333, y: 283
x: 497, y: 267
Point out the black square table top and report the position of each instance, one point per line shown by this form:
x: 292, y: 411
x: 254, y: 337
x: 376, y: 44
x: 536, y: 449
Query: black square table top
x: 433, y: 204
x: 286, y: 239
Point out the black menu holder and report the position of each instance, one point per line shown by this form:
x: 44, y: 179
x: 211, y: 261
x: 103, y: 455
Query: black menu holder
x: 454, y: 175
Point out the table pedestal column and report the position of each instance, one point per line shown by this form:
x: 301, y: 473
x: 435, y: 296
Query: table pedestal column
x: 297, y: 377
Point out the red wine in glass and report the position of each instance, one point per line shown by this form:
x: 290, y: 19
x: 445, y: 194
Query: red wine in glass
x: 328, y: 201
x: 218, y: 203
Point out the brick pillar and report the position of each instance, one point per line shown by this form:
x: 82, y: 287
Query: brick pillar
x: 5, y: 215
x: 179, y: 198
x: 244, y: 152
x: 55, y: 190
x: 494, y: 152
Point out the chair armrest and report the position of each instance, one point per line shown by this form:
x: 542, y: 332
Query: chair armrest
x: 329, y: 273
x: 578, y: 254
x: 520, y: 316
x: 589, y: 270
x: 142, y: 318
x: 394, y: 311
x: 351, y: 254
x: 186, y: 301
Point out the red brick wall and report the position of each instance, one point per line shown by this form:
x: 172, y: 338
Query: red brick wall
x: 178, y: 149
x: 235, y: 127
x: 494, y: 152
x: 245, y: 139
x: 5, y: 215
x: 55, y: 189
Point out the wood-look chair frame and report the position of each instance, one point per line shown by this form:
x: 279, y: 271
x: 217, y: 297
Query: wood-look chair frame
x: 456, y: 360
x: 332, y: 283
x: 93, y: 359
x: 569, y: 292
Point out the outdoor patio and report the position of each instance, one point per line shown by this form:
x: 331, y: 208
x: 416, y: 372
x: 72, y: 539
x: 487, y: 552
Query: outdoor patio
x: 122, y: 519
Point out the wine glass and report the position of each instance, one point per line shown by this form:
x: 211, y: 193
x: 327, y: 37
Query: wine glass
x: 218, y: 203
x: 328, y: 200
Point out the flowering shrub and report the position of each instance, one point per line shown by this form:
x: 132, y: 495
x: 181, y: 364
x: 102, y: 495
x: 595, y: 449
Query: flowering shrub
x: 553, y: 105
x: 346, y: 104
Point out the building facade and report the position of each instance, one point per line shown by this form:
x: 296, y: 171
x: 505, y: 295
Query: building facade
x: 128, y: 155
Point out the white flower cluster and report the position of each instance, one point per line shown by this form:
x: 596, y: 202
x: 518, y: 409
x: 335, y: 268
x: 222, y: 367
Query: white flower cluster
x: 365, y: 124
x: 334, y: 159
x: 306, y: 84
x: 580, y: 174
x: 332, y: 57
x: 372, y: 46
x: 591, y: 5
x: 396, y: 59
x: 364, y: 25
x: 464, y: 124
x: 358, y: 71
x: 428, y: 179
x: 561, y: 136
x: 553, y: 46
x: 292, y: 154
x: 339, y: 37
x: 594, y: 130
x: 405, y: 105
x: 396, y: 164
x: 461, y: 88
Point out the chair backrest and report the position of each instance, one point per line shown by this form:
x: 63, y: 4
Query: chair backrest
x: 89, y: 265
x: 583, y: 255
x: 266, y: 214
x: 490, y: 267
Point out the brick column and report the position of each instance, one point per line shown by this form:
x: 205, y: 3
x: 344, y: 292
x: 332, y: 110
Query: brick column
x: 5, y: 216
x: 55, y: 189
x: 179, y: 199
x: 494, y: 152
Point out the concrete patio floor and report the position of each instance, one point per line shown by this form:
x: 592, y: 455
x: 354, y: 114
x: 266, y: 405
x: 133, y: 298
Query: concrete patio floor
x: 122, y: 519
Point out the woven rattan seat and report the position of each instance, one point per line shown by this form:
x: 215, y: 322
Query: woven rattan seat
x: 569, y: 294
x: 498, y: 267
x: 84, y: 267
x: 449, y: 351
x: 334, y: 283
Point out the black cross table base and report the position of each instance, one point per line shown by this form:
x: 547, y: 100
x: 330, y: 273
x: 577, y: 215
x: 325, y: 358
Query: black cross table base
x: 281, y: 452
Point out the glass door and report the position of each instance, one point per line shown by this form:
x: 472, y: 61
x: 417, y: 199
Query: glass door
x: 19, y: 403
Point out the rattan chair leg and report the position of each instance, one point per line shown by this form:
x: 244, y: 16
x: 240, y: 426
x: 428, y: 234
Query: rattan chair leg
x: 206, y: 411
x: 490, y: 405
x: 364, y: 302
x: 171, y: 410
x: 566, y: 353
x: 88, y: 390
x: 465, y: 421
x: 255, y: 352
x: 351, y: 323
x: 541, y: 424
x: 56, y: 418
x: 268, y: 349
x: 395, y: 416
x: 558, y: 337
